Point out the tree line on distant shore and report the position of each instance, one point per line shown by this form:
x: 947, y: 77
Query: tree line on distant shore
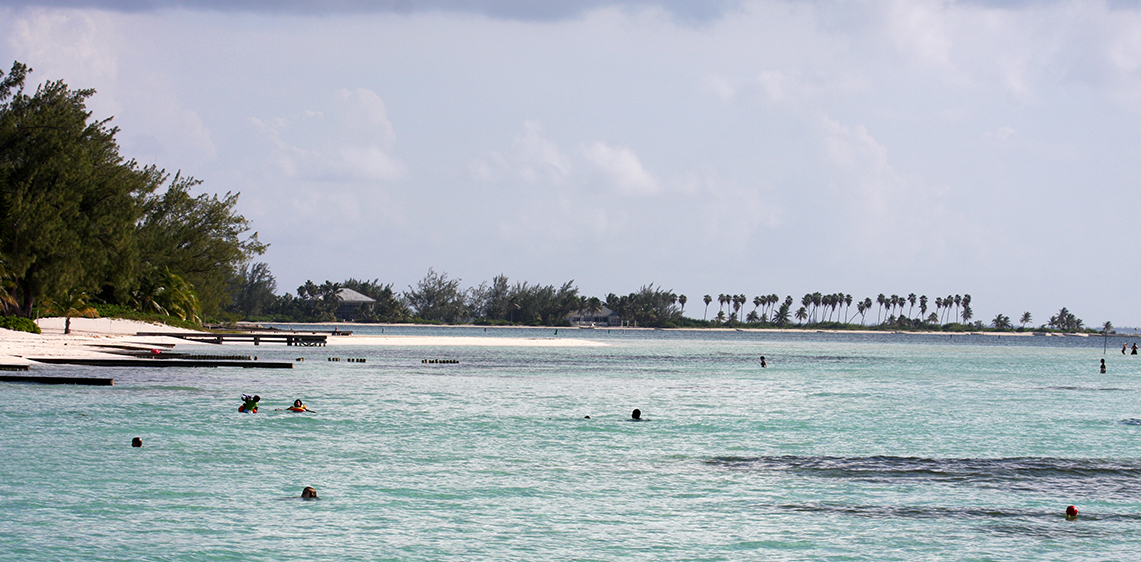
x: 439, y: 299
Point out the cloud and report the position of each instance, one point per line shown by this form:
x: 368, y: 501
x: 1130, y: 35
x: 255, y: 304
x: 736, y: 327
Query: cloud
x: 532, y: 158
x: 621, y: 168
x: 346, y: 140
x: 699, y: 10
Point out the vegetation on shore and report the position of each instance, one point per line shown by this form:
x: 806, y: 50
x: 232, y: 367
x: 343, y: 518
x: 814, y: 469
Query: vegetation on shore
x: 79, y: 223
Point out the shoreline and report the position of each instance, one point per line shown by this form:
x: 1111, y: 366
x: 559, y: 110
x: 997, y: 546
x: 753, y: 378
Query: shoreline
x: 1028, y: 333
x: 100, y: 337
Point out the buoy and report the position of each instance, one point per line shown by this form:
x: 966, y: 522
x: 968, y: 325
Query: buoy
x: 155, y: 352
x: 1071, y: 513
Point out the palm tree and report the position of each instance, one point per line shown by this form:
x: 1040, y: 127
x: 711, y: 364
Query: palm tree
x: 708, y: 299
x: 911, y: 300
x: 70, y: 303
x: 923, y: 305
x: 681, y: 300
x: 758, y: 301
x: 802, y: 314
x: 880, y: 300
x: 721, y: 300
x: 1001, y: 322
x: 1026, y: 319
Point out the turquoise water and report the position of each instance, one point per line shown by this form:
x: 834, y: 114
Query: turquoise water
x: 847, y: 447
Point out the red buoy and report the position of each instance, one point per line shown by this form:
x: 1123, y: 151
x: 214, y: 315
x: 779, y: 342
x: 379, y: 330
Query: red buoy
x: 1071, y: 512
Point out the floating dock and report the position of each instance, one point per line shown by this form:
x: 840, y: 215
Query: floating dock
x: 101, y: 362
x: 89, y: 381
x: 302, y: 340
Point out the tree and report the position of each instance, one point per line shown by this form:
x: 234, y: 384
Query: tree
x: 1026, y: 319
x: 802, y: 314
x: 253, y: 292
x: 200, y: 239
x: 437, y: 298
x: 68, y: 201
x: 681, y: 299
x: 164, y: 292
x: 71, y: 303
x: 708, y: 299
x: 1001, y: 322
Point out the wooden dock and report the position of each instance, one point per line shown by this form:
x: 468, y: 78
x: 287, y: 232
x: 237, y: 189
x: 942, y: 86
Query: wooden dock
x: 89, y: 381
x: 101, y: 362
x: 290, y: 339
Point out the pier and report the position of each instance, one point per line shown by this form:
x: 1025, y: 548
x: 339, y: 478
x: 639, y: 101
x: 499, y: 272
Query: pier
x: 89, y: 381
x: 301, y: 340
x: 101, y: 362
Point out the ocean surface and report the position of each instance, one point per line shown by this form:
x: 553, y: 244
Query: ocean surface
x: 846, y: 447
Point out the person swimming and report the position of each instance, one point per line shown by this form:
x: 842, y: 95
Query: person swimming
x: 309, y: 493
x: 249, y: 404
x: 137, y: 442
x: 636, y: 415
x: 298, y: 406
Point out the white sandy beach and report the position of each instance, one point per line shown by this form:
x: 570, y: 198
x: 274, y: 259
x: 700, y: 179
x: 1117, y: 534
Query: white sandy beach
x: 96, y: 337
x: 89, y: 337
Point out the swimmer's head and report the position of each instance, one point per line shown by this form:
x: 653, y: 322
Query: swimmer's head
x: 297, y: 403
x: 636, y: 414
x: 137, y: 442
x: 257, y: 398
x: 309, y: 493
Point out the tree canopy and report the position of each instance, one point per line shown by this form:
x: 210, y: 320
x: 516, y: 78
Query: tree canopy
x: 76, y: 216
x: 68, y: 200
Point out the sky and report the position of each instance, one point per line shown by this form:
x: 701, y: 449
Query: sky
x: 706, y: 147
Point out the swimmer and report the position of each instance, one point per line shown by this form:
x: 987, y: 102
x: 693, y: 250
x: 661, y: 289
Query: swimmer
x: 137, y: 442
x: 763, y: 363
x: 1071, y: 513
x: 1103, y: 366
x: 309, y: 493
x: 249, y: 404
x: 297, y: 406
x: 636, y: 415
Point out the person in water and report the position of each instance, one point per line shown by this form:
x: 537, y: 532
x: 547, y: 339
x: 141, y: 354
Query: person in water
x: 1133, y: 349
x: 298, y: 406
x: 249, y: 404
x: 137, y: 442
x: 309, y: 493
x: 1103, y: 366
x: 763, y: 363
x: 636, y: 415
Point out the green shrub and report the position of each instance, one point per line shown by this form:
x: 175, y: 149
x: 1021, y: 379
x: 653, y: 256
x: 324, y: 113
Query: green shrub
x: 19, y: 324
